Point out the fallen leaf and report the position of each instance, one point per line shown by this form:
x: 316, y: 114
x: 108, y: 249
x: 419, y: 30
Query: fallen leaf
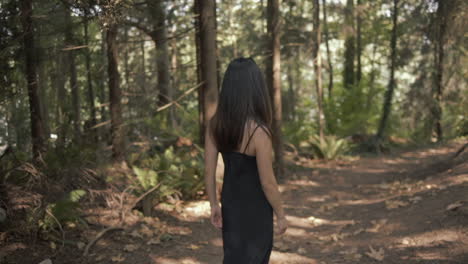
x: 393, y: 204
x: 454, y: 205
x: 415, y: 199
x: 80, y: 245
x: 376, y: 254
x: 154, y: 241
x: 193, y: 247
x: 377, y: 224
x: 281, y: 246
x: 118, y: 258
x: 301, y: 250
x: 358, y: 231
x: 46, y: 261
x: 145, y: 230
x: 136, y: 234
x: 130, y: 247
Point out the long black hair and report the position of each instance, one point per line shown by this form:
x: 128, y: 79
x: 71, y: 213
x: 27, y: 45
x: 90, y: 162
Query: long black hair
x: 243, y: 97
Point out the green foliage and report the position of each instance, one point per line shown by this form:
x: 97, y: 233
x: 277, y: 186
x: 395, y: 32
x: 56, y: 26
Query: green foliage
x: 177, y: 172
x: 329, y: 148
x: 354, y: 111
x: 63, y: 211
x: 302, y: 127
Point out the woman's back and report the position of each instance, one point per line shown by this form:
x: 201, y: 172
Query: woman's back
x: 247, y: 214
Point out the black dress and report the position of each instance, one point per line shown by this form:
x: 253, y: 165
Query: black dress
x: 247, y: 215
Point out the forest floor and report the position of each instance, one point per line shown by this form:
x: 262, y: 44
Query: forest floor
x: 409, y: 206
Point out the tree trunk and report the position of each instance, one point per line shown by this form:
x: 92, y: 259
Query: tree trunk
x: 290, y: 102
x: 387, y: 105
x: 37, y: 127
x: 143, y: 66
x: 126, y: 68
x: 92, y: 106
x: 318, y: 66
x: 359, y: 40
x: 329, y: 62
x: 115, y: 94
x: 208, y: 91
x: 348, y: 74
x: 174, y: 80
x: 439, y: 65
x: 62, y: 113
x: 274, y: 82
x: 102, y: 82
x: 75, y: 93
x: 159, y: 36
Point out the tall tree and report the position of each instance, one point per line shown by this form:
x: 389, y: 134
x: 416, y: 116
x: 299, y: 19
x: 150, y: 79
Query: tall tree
x: 348, y: 73
x: 75, y: 92
x: 38, y: 137
x: 92, y: 106
x: 358, y: 41
x: 61, y: 110
x: 207, y: 65
x: 318, y: 66
x: 159, y: 36
x: 115, y: 95
x: 274, y: 81
x: 327, y: 38
x: 387, y: 104
x: 439, y: 41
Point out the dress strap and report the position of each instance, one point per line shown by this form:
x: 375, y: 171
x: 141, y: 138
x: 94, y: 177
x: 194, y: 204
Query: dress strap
x: 250, y: 139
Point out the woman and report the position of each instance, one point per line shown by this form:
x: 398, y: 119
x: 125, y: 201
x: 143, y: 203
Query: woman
x: 240, y: 131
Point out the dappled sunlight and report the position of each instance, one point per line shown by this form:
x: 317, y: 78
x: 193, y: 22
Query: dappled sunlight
x: 298, y: 232
x: 218, y: 242
x: 428, y: 239
x: 167, y: 260
x: 304, y: 183
x: 305, y: 222
x: 290, y: 258
x: 432, y: 255
x: 318, y: 198
x: 363, y: 201
x: 197, y: 209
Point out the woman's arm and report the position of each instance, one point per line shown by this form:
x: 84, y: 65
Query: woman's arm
x: 264, y: 150
x: 211, y: 160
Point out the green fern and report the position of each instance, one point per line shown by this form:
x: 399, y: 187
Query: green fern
x: 330, y: 147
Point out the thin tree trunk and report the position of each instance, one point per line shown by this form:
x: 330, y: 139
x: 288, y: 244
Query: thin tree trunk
x: 102, y: 80
x: 370, y: 93
x: 159, y: 36
x: 387, y: 105
x: 37, y: 127
x: 174, y: 80
x: 348, y: 74
x: 115, y: 94
x: 126, y: 68
x: 290, y: 105
x: 329, y: 62
x: 42, y: 82
x: 439, y: 64
x: 318, y: 67
x: 75, y: 93
x: 62, y: 114
x: 208, y: 92
x: 274, y: 82
x: 359, y: 40
x: 143, y: 66
x: 92, y: 106
x: 200, y: 96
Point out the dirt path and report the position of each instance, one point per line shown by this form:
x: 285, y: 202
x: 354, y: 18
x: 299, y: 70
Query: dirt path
x: 388, y: 209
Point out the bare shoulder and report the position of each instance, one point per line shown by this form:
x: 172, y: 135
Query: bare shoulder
x: 262, y: 134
